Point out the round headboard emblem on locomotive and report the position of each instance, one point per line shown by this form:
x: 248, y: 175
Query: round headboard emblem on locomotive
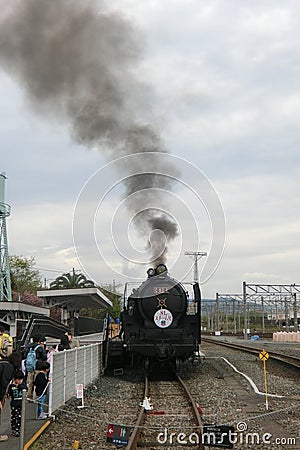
x: 163, y: 318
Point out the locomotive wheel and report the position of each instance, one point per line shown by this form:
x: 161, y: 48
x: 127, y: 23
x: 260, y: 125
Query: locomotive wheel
x: 178, y: 365
x: 132, y: 359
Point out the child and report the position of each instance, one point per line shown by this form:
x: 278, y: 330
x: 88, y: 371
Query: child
x: 54, y: 349
x: 41, y: 384
x: 15, y: 393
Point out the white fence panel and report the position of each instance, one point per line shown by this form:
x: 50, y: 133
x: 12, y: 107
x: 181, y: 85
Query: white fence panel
x: 81, y: 365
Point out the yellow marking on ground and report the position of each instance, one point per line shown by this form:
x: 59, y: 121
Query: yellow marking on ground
x: 36, y: 435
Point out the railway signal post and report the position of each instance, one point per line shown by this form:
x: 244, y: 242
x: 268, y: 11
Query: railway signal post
x: 264, y: 356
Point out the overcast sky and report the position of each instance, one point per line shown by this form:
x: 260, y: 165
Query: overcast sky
x: 219, y: 81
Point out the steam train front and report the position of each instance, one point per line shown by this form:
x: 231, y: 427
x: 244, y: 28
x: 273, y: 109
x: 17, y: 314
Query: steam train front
x: 161, y: 321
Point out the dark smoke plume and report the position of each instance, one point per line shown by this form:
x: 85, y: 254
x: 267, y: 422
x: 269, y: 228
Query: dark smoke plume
x: 76, y: 61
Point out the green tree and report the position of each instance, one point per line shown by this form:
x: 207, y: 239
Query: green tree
x: 23, y: 275
x: 115, y: 309
x: 100, y: 313
x: 71, y: 280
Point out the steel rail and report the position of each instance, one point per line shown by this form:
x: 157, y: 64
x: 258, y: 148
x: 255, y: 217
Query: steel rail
x: 135, y: 435
x: 196, y: 414
x: 276, y: 356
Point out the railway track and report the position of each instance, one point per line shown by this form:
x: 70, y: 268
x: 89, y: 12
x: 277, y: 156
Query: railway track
x: 273, y: 354
x: 280, y: 414
x: 174, y: 420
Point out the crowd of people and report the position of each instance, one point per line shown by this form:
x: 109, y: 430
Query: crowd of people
x: 26, y: 371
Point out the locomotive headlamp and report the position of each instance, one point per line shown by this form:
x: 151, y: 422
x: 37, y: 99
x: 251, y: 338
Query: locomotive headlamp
x: 151, y: 272
x: 161, y: 268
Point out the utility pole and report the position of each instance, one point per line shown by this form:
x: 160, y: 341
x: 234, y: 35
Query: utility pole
x: 245, y: 310
x: 196, y: 256
x: 217, y: 313
x: 295, y: 312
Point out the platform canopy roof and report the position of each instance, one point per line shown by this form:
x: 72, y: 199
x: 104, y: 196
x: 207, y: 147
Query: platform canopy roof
x: 74, y: 299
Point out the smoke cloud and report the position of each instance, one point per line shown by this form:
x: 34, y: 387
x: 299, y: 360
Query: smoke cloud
x: 76, y: 61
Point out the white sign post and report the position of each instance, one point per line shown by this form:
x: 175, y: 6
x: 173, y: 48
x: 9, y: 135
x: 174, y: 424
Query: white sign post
x: 79, y: 389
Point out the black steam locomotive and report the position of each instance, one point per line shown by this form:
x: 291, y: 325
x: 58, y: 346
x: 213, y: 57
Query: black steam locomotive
x: 161, y: 320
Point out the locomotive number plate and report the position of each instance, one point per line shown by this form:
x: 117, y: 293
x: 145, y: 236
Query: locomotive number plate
x: 160, y: 290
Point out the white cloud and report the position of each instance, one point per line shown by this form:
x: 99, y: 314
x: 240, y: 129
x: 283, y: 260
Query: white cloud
x: 223, y: 83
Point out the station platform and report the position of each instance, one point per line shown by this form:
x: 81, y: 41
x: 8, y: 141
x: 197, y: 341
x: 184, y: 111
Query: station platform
x: 33, y: 427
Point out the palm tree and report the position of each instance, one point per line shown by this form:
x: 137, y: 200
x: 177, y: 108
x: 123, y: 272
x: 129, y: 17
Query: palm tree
x: 71, y: 281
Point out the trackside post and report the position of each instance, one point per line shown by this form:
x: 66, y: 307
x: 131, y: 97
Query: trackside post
x: 23, y: 413
x: 264, y: 356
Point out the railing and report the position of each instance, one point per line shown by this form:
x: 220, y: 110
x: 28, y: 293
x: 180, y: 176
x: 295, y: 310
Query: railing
x: 81, y: 365
x: 38, y: 324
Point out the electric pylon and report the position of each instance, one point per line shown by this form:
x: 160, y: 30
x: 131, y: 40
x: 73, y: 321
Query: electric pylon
x: 5, y: 287
x: 196, y: 256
